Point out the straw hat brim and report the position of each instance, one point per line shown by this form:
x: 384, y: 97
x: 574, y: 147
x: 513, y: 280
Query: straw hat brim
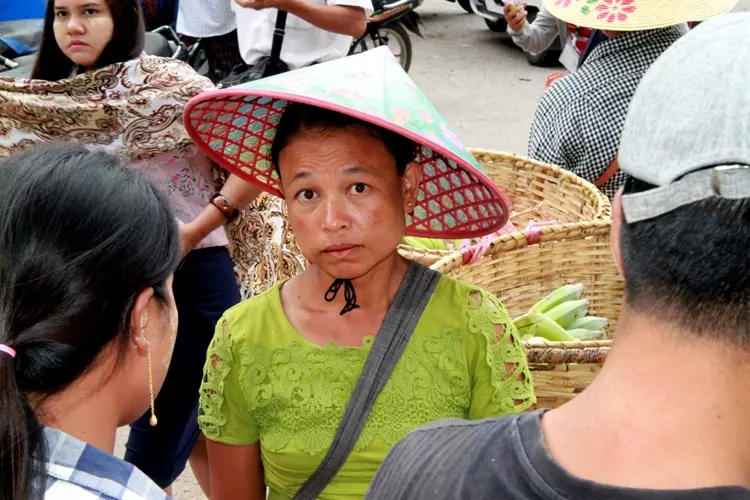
x: 635, y: 15
x: 236, y: 127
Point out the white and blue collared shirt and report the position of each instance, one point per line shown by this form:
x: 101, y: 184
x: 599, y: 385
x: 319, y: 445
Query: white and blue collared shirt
x: 79, y: 471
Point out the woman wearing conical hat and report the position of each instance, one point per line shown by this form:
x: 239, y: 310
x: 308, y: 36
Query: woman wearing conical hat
x: 361, y: 159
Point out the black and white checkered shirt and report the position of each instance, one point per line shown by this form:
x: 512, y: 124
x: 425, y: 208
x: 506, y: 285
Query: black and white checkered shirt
x: 580, y: 118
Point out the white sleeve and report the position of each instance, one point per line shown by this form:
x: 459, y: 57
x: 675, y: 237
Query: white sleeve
x: 537, y: 37
x: 364, y: 4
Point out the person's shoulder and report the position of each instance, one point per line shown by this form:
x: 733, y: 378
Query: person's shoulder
x: 460, y: 301
x: 564, y: 96
x: 164, y: 73
x: 439, y: 460
x: 462, y: 294
x: 78, y: 470
x: 462, y: 433
x: 255, y: 310
x: 450, y: 298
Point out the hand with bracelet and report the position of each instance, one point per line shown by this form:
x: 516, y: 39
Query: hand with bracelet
x: 223, y: 207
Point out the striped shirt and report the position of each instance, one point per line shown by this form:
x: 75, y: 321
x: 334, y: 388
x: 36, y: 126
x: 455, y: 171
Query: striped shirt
x: 78, y: 471
x: 205, y: 18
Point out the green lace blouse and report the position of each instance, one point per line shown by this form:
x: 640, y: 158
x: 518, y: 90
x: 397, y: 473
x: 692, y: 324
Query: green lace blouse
x: 264, y: 382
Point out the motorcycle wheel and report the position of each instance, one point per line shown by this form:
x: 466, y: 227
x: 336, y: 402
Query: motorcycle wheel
x: 395, y: 37
x: 499, y: 25
x: 466, y: 5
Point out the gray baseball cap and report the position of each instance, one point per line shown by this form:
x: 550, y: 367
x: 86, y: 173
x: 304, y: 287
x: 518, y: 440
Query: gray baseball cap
x: 688, y: 126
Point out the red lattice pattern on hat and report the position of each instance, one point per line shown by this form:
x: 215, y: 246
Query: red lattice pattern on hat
x: 238, y: 131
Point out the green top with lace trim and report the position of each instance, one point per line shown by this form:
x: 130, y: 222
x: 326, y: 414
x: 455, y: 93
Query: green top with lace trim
x: 264, y: 382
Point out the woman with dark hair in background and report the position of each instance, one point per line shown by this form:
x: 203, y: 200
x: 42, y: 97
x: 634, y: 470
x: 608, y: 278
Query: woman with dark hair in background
x: 87, y: 321
x: 131, y: 105
x: 84, y: 36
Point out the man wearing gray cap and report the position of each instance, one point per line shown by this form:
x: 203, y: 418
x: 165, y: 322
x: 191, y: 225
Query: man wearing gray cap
x: 667, y: 417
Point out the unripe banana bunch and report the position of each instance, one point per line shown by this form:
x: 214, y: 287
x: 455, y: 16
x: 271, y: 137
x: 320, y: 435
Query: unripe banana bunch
x: 561, y: 316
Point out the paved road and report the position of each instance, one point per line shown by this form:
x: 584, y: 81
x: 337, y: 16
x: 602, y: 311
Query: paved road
x: 479, y: 82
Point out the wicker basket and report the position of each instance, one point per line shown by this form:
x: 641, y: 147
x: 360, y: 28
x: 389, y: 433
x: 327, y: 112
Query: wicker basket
x: 539, y: 192
x: 520, y: 274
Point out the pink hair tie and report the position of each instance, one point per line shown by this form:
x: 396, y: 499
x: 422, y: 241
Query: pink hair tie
x: 8, y: 350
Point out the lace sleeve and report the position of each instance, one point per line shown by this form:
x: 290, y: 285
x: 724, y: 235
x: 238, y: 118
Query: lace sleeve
x: 223, y: 414
x: 501, y: 380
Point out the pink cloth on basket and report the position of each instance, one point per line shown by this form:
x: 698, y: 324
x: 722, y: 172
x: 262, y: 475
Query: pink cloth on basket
x: 474, y: 252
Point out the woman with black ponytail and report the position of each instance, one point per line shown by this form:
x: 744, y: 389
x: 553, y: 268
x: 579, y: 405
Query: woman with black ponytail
x: 87, y: 321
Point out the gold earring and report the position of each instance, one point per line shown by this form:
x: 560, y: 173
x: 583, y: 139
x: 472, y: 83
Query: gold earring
x: 153, y: 421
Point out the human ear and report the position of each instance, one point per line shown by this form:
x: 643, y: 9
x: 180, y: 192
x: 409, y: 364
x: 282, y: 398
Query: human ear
x: 139, y: 322
x: 410, y: 183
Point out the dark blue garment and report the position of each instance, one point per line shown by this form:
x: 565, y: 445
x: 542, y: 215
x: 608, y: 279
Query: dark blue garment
x: 595, y: 39
x: 158, y: 13
x: 204, y: 288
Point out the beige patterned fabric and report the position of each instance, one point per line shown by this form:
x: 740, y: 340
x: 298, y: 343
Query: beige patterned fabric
x: 263, y: 247
x: 134, y: 111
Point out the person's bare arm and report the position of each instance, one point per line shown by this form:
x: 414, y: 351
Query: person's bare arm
x: 236, y: 472
x: 341, y: 19
x: 239, y: 192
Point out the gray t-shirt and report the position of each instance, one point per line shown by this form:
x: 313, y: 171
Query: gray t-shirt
x: 500, y: 459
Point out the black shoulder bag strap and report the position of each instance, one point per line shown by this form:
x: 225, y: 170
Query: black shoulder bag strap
x: 278, y: 40
x: 408, y: 305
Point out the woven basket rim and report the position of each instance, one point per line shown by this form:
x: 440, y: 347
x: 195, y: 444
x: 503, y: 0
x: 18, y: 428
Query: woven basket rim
x: 566, y: 345
x: 604, y: 205
x: 449, y: 260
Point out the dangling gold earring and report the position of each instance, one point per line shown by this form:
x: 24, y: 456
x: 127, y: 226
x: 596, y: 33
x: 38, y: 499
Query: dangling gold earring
x: 153, y: 420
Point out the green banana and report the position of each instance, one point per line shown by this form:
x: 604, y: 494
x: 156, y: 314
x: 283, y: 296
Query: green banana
x: 568, y: 312
x: 589, y: 323
x: 584, y: 334
x: 563, y: 294
x: 539, y: 325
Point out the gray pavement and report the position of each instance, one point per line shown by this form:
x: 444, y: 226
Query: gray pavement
x: 479, y: 82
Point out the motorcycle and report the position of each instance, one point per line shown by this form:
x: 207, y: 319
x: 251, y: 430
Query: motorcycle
x: 391, y: 23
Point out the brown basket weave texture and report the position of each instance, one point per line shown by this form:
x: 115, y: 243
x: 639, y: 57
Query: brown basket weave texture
x: 520, y: 274
x: 539, y: 192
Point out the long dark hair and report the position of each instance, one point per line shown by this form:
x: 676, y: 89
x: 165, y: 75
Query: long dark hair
x: 127, y: 42
x: 80, y: 238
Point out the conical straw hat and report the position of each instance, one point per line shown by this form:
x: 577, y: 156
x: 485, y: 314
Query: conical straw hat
x: 236, y: 128
x: 635, y: 15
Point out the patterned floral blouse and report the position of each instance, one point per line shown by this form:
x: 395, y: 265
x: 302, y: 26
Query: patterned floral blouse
x: 186, y: 178
x: 266, y: 383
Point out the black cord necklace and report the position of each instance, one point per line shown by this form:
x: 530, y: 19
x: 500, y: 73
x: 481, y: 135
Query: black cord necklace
x: 349, y: 294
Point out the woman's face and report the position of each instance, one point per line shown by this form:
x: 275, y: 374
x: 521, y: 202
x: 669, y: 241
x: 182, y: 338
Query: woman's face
x: 346, y: 201
x: 83, y: 28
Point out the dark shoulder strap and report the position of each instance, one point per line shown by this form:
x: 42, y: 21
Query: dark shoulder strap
x: 408, y: 305
x: 278, y: 37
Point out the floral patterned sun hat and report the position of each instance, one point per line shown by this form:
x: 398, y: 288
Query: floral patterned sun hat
x: 236, y: 128
x: 635, y: 15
